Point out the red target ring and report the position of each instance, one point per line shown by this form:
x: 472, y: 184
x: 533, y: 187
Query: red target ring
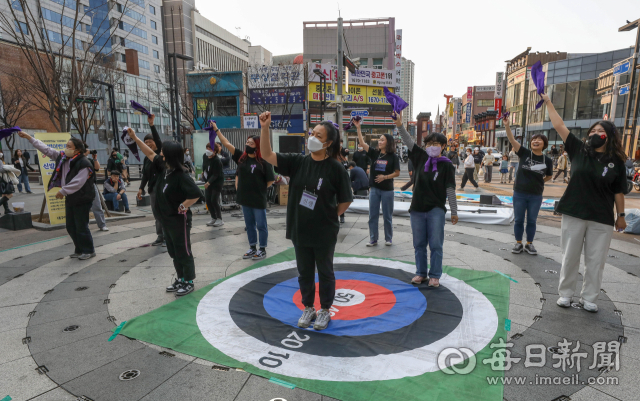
x: 377, y: 300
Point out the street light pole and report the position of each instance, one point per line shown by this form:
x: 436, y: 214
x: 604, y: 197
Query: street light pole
x: 631, y: 115
x: 340, y: 73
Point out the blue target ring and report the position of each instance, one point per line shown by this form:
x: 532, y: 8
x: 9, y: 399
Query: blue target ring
x: 410, y: 305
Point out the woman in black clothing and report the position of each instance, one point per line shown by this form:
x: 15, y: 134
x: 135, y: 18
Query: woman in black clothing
x: 319, y: 191
x: 213, y: 177
x: 113, y: 163
x: 175, y: 193
x: 342, y: 158
x: 20, y: 162
x: 253, y: 176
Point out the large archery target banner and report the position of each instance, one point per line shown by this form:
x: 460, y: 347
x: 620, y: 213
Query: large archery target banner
x: 384, y: 341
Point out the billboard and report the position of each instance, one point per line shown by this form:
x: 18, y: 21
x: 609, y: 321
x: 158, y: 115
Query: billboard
x: 291, y: 123
x: 277, y: 95
x: 467, y: 119
x: 56, y: 207
x: 362, y: 76
x: 497, y: 94
x: 277, y: 76
x: 469, y: 93
x: 357, y: 95
x: 398, y: 58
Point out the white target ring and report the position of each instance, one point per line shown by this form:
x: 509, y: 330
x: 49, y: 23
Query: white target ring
x: 347, y: 297
x: 476, y: 329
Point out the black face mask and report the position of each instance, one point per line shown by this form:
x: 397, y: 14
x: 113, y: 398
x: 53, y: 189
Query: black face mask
x: 249, y: 150
x: 596, y: 141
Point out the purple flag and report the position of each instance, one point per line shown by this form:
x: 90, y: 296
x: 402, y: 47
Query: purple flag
x: 131, y: 144
x: 212, y: 134
x: 537, y: 75
x: 395, y: 100
x: 350, y: 123
x: 137, y: 106
x: 8, y: 131
x: 504, y: 115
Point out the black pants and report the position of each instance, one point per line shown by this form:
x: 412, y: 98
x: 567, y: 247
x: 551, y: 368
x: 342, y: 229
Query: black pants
x: 212, y: 197
x: 561, y: 171
x: 468, y: 175
x: 156, y: 215
x: 78, y: 227
x: 179, y: 246
x: 488, y: 173
x: 307, y: 259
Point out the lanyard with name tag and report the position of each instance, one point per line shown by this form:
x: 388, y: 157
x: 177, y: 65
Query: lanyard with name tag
x: 308, y: 200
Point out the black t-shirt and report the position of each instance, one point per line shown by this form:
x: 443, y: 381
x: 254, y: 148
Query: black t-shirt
x: 212, y: 168
x: 361, y: 159
x: 477, y: 157
x: 252, y: 181
x: 327, y: 180
x: 173, y: 188
x: 593, y: 184
x: 430, y: 188
x: 531, y: 172
x: 382, y: 165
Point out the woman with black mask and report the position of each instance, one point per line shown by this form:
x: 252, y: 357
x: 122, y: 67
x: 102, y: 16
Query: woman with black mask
x: 253, y: 176
x: 213, y: 176
x: 319, y: 191
x: 175, y: 193
x: 598, y: 181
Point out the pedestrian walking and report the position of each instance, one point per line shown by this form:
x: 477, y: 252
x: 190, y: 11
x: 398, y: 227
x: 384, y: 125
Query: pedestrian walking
x: 188, y: 163
x: 96, y: 205
x: 563, y: 163
x: 73, y: 174
x: 385, y: 166
x: 453, y: 156
x: 504, y: 169
x: 487, y: 162
x: 435, y: 181
x: 478, y: 155
x: 150, y: 176
x: 534, y: 170
x: 598, y: 181
x: 20, y: 162
x: 469, y: 171
x: 213, y: 177
x: 319, y: 191
x: 513, y: 164
x: 253, y: 176
x: 175, y: 193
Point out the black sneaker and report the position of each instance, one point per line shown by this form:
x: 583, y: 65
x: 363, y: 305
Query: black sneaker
x: 177, y: 284
x: 249, y: 254
x: 518, y: 248
x: 127, y: 211
x: 530, y: 249
x: 185, y: 289
x: 259, y: 254
x: 157, y: 242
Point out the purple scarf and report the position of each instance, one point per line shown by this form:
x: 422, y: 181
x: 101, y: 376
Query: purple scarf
x: 137, y: 106
x: 504, y: 115
x: 396, y: 101
x: 4, y: 133
x: 350, y: 123
x: 537, y: 75
x: 56, y: 178
x: 432, y: 163
x: 212, y: 134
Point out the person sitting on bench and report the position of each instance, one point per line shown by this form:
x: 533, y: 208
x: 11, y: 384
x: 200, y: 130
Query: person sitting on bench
x: 114, y: 191
x: 359, y: 179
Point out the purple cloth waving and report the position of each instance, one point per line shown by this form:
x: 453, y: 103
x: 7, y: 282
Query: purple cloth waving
x: 137, y: 106
x: 4, y: 133
x: 131, y: 144
x: 504, y: 115
x: 537, y: 75
x: 396, y: 101
x: 432, y: 162
x: 350, y: 123
x: 212, y: 134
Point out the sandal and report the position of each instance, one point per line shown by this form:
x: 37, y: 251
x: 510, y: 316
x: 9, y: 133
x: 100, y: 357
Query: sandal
x: 434, y: 282
x: 418, y: 280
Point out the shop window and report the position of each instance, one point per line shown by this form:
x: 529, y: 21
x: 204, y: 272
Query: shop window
x: 377, y: 63
x: 225, y: 106
x: 585, y: 99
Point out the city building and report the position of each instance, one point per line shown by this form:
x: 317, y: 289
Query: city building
x: 178, y: 27
x: 219, y: 95
x: 424, y: 125
x: 477, y: 100
x: 258, y: 55
x: 216, y: 48
x: 578, y: 95
x: 406, y: 89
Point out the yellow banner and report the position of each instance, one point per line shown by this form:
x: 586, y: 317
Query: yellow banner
x: 58, y: 141
x: 356, y: 95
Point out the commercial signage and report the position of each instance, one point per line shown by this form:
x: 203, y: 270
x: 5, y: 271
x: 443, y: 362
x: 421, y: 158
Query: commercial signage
x: 491, y: 88
x: 362, y: 76
x: 277, y: 95
x: 451, y: 109
x: 622, y: 68
x: 398, y: 58
x: 459, y: 110
x: 497, y: 94
x: 497, y: 104
x: 277, y: 76
x: 361, y: 113
x: 469, y: 93
x: 250, y: 122
x: 424, y: 126
x: 292, y: 123
x: 56, y: 207
x: 516, y: 78
x: 468, y: 114
x: 357, y: 95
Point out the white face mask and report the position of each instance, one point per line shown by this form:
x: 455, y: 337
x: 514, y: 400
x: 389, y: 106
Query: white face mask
x: 360, y: 149
x: 187, y: 152
x: 208, y: 153
x: 314, y: 144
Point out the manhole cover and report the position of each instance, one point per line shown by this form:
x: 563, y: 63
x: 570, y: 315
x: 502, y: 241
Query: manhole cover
x: 129, y: 374
x: 81, y: 288
x: 71, y: 328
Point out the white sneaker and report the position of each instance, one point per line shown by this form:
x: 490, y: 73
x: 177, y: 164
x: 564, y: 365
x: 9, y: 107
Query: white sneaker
x: 477, y: 189
x: 105, y: 228
x: 388, y: 243
x: 588, y: 306
x: 553, y: 180
x: 218, y: 223
x: 564, y: 302
x: 211, y: 222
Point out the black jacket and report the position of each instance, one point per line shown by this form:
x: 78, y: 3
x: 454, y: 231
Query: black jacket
x: 87, y: 193
x: 23, y: 170
x: 149, y: 173
x: 112, y: 164
x: 213, y: 168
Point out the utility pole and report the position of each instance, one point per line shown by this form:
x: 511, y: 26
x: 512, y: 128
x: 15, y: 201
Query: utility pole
x: 340, y: 74
x: 631, y: 111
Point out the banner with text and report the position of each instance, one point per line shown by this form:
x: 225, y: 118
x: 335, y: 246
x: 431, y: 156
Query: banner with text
x: 56, y: 207
x: 362, y: 76
x: 497, y: 94
x: 276, y: 76
x: 277, y: 95
x: 357, y: 94
x: 398, y: 58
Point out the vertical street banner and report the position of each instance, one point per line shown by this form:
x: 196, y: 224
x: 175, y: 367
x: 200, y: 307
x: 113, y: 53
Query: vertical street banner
x: 497, y: 94
x: 398, y: 58
x: 467, y: 119
x: 58, y: 141
x: 469, y: 93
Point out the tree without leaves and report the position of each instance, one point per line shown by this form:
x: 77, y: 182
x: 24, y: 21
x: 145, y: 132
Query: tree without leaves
x: 14, y: 104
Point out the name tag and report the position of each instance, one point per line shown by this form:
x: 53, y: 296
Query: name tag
x: 308, y: 200
x: 204, y: 174
x: 381, y: 165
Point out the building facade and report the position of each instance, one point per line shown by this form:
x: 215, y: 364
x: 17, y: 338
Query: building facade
x: 216, y: 48
x: 406, y: 89
x: 178, y: 31
x: 258, y: 55
x: 477, y: 100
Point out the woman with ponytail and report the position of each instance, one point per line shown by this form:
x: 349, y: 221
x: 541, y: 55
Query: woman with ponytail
x: 319, y: 191
x: 253, y: 176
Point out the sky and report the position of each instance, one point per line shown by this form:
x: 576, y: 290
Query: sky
x: 454, y: 44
